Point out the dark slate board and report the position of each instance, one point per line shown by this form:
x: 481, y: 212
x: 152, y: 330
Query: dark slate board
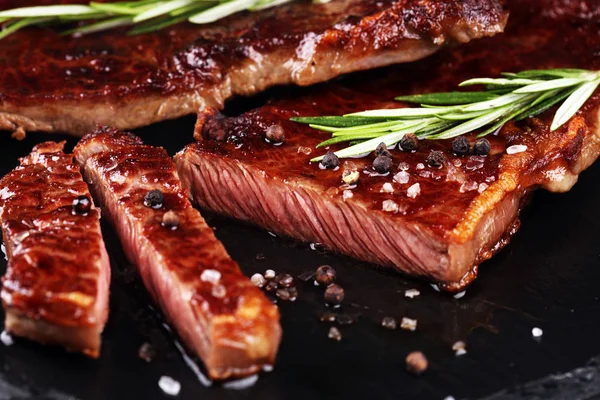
x: 547, y: 277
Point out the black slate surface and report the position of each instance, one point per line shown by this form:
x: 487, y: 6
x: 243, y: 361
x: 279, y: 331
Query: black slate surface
x: 547, y: 277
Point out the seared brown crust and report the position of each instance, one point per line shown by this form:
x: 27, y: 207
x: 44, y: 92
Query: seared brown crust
x: 54, y: 83
x: 463, y: 211
x: 217, y: 312
x: 55, y: 289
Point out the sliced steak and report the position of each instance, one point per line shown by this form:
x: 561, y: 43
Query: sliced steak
x: 50, y: 82
x: 439, y: 223
x: 55, y: 290
x: 217, y: 311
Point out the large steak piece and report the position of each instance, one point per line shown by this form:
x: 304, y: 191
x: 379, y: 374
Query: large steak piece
x: 218, y: 312
x: 439, y: 223
x: 50, y: 82
x: 55, y: 290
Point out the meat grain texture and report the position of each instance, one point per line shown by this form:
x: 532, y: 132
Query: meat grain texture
x: 55, y: 290
x: 218, y: 313
x: 54, y: 83
x: 439, y: 223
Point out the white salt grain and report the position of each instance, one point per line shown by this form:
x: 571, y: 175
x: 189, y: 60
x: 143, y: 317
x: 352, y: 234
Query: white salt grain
x: 408, y: 324
x: 403, y: 166
x: 169, y: 385
x: 210, y: 275
x: 517, y: 148
x: 413, y: 191
x: 390, y: 206
x: 269, y: 274
x: 420, y: 166
x: 482, y: 187
x: 412, y: 293
x: 347, y: 194
x: 387, y: 188
x: 460, y: 348
x: 537, y: 332
x: 6, y: 339
x: 402, y: 177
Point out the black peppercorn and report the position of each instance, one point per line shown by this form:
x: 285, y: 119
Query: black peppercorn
x: 382, y: 164
x: 481, y: 147
x: 436, y: 158
x: 154, y: 199
x: 460, y: 145
x: 334, y: 294
x: 330, y: 160
x: 382, y: 150
x: 271, y: 286
x: 275, y: 134
x: 409, y: 142
x: 285, y: 280
x: 81, y: 205
x: 325, y: 275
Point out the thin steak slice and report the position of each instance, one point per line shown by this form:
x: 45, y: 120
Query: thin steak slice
x: 55, y: 290
x: 217, y: 311
x: 440, y: 223
x: 56, y: 83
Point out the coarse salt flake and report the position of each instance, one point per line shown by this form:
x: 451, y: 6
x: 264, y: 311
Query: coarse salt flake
x: 211, y: 276
x: 516, y: 148
x: 402, y: 177
x: 347, y: 194
x: 420, y: 166
x: 412, y: 293
x: 390, y: 206
x: 413, y: 191
x: 537, y: 332
x: 387, y: 188
x: 403, y: 166
x: 169, y: 385
x: 482, y: 187
x: 408, y: 324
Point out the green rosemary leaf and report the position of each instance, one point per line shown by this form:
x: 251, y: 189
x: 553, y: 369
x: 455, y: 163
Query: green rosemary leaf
x: 347, y: 138
x: 162, y: 9
x: 495, y: 103
x: 460, y: 115
x: 474, y: 124
x: 537, y: 108
x: 498, y: 82
x: 403, y: 112
x: 549, y: 85
x: 338, y: 121
x: 220, y: 11
x: 573, y: 103
x: 450, y: 98
x: 353, y: 129
x: 100, y: 26
x: 550, y: 73
x: 47, y: 11
x: 19, y: 24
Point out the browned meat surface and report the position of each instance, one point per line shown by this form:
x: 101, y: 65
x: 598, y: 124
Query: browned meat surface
x: 458, y: 215
x: 55, y: 290
x: 54, y: 83
x: 217, y: 312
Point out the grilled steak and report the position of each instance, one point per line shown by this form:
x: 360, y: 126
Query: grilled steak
x: 55, y: 290
x: 54, y: 83
x: 439, y: 223
x: 217, y: 312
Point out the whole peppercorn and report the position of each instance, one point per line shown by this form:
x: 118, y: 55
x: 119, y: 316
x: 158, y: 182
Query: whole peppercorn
x: 325, y: 275
x: 330, y: 160
x: 170, y: 220
x: 275, y: 134
x: 81, y: 205
x: 382, y: 150
x: 154, y: 199
x: 271, y: 286
x: 481, y: 147
x: 284, y: 280
x: 436, y: 159
x: 460, y: 145
x: 409, y: 142
x: 382, y: 164
x: 416, y: 363
x: 334, y: 294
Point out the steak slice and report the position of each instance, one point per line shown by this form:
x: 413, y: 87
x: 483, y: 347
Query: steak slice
x: 217, y: 312
x: 55, y: 290
x: 436, y: 223
x: 50, y: 82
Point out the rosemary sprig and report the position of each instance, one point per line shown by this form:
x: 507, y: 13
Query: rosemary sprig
x: 144, y: 15
x: 516, y: 96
